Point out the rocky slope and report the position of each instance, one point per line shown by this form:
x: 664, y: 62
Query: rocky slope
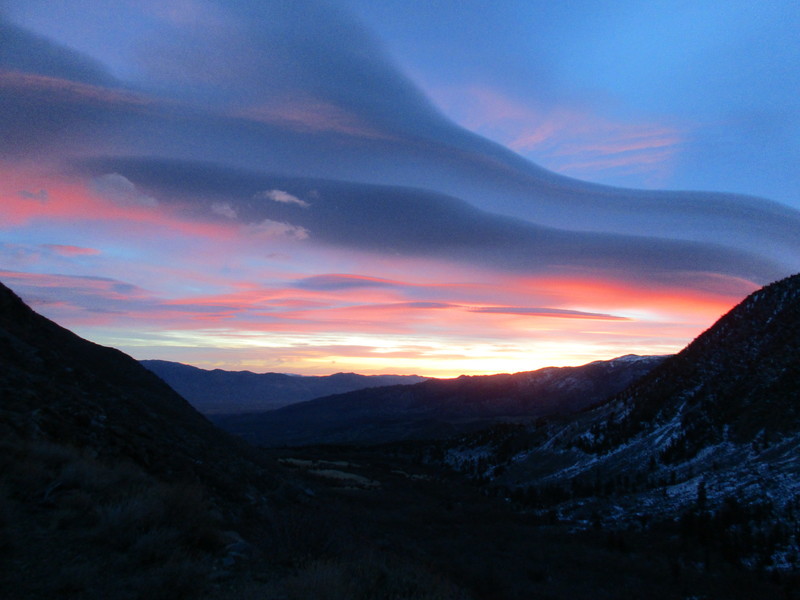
x: 716, y: 426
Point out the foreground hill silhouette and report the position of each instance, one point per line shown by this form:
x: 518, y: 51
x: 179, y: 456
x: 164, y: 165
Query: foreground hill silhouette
x: 58, y: 386
x: 113, y: 485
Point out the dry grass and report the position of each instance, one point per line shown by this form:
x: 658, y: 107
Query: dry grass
x: 107, y: 531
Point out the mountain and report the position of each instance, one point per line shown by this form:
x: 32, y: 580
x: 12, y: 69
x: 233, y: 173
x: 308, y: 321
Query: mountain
x: 439, y: 408
x: 711, y: 437
x: 58, y: 386
x: 230, y: 392
x: 106, y: 471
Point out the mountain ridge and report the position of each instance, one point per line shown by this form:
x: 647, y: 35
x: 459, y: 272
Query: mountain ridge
x: 220, y: 391
x: 438, y: 408
x: 715, y: 426
x: 105, y: 470
x: 60, y: 387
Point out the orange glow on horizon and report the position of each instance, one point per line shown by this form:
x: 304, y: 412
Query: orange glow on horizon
x: 441, y: 342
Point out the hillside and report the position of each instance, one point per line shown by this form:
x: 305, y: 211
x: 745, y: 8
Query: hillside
x: 437, y: 409
x: 59, y: 387
x: 711, y: 436
x: 106, y: 471
x: 228, y: 392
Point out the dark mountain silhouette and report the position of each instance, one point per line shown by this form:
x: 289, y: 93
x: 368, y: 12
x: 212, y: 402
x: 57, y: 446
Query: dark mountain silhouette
x: 228, y: 392
x: 58, y: 386
x: 111, y: 484
x: 439, y: 408
x: 739, y: 378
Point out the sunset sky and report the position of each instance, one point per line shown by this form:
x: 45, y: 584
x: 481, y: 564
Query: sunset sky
x: 385, y: 186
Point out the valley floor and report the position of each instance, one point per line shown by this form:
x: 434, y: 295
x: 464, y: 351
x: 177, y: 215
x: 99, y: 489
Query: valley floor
x: 328, y: 523
x: 378, y: 524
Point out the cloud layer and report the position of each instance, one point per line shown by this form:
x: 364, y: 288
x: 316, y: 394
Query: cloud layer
x: 237, y: 170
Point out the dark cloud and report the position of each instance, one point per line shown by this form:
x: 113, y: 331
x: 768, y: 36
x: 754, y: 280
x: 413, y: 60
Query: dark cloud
x: 247, y: 53
x: 341, y: 282
x: 213, y: 309
x: 314, y: 50
x: 24, y: 51
x: 42, y: 195
x: 413, y: 222
x: 427, y: 305
x: 44, y: 116
x: 121, y: 190
x: 418, y: 305
x: 547, y: 312
x: 364, y: 121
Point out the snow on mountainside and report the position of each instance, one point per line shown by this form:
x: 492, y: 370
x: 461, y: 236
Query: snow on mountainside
x: 712, y: 432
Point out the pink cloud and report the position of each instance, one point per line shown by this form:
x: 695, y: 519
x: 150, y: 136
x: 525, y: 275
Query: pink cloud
x: 78, y: 300
x: 231, y: 292
x: 630, y: 142
x: 114, y: 204
x: 306, y: 114
x: 53, y: 89
x: 570, y: 140
x: 66, y: 250
x: 631, y: 163
x: 419, y: 326
x: 699, y: 299
x: 558, y: 313
x: 268, y: 229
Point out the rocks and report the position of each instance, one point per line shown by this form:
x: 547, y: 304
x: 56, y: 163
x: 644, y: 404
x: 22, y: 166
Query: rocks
x: 236, y: 551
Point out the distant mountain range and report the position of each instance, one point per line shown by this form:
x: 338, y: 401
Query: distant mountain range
x: 439, y: 408
x: 229, y: 392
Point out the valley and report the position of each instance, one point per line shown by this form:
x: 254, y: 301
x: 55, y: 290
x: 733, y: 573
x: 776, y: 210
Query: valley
x: 131, y: 492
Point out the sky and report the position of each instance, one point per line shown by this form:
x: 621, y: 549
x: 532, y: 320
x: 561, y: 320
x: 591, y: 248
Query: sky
x: 389, y: 187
